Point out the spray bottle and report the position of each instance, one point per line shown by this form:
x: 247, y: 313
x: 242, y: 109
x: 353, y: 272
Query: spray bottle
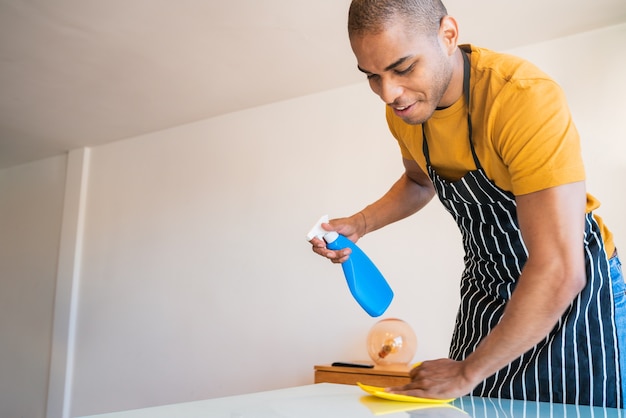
x: 366, y: 283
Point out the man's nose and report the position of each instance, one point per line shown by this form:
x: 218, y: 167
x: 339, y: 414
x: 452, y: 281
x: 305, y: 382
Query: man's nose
x: 390, y: 91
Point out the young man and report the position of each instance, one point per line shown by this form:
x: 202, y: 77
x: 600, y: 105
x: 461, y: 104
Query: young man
x: 542, y: 291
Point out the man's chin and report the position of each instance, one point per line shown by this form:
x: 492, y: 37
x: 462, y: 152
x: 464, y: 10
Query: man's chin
x: 416, y: 119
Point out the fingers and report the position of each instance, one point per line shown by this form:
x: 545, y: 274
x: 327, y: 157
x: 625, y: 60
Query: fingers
x: 411, y: 390
x: 399, y: 389
x: 413, y: 372
x: 336, y: 256
x: 327, y: 226
x: 420, y: 388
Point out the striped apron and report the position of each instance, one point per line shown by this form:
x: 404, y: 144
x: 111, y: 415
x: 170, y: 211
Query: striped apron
x: 578, y: 361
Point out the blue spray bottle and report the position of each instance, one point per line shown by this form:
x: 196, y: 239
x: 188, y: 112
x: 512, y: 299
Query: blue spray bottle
x: 366, y: 283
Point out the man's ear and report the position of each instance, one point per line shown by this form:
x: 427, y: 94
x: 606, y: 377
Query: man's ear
x: 449, y: 33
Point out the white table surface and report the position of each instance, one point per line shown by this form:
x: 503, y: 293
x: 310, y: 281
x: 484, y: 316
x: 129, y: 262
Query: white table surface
x: 326, y: 400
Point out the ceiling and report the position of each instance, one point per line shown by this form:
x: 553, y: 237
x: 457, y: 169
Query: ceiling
x: 77, y: 73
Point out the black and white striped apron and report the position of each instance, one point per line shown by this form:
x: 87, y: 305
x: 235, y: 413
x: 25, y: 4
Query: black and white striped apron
x: 577, y: 362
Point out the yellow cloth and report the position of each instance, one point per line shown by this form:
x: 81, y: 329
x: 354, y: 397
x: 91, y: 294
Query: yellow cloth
x: 523, y: 131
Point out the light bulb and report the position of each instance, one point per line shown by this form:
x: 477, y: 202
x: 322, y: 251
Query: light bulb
x: 391, y: 342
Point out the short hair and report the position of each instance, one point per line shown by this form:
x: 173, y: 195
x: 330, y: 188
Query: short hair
x: 374, y: 16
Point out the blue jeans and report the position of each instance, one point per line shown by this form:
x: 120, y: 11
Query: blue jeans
x: 619, y: 293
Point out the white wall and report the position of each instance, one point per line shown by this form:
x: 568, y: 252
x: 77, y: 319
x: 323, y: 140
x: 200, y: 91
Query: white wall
x: 196, y: 279
x: 31, y: 206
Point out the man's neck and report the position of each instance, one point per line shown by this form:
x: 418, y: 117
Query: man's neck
x: 455, y: 87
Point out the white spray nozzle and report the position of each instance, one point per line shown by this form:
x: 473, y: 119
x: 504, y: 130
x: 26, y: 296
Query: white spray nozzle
x: 318, y: 232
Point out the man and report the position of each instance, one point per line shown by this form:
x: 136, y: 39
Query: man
x: 492, y: 136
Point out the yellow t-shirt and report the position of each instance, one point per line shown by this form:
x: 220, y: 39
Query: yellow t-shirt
x: 522, y: 131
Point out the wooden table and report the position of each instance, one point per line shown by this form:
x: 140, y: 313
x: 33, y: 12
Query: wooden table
x: 378, y: 376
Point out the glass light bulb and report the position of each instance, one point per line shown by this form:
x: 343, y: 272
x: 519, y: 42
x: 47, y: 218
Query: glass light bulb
x: 391, y: 342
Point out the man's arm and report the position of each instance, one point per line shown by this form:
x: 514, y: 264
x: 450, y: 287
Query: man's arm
x: 410, y: 193
x: 552, y: 225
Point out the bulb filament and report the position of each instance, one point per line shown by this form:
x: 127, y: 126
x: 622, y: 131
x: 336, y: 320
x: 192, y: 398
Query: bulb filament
x: 390, y: 346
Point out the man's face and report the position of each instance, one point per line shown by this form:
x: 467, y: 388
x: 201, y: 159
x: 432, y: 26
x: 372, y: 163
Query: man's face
x: 409, y: 72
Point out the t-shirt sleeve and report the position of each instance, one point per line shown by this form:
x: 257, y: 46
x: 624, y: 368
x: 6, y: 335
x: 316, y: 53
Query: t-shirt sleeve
x: 536, y: 137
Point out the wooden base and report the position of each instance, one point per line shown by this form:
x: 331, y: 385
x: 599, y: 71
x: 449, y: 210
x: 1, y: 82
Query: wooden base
x: 378, y: 376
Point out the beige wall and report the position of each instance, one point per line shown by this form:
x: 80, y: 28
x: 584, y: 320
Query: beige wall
x: 195, y: 278
x: 31, y: 206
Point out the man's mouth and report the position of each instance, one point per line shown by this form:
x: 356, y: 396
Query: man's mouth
x: 401, y: 109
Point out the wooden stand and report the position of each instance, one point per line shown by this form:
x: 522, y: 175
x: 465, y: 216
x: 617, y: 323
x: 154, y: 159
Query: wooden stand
x: 378, y: 376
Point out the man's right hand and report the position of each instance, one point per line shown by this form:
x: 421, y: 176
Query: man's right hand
x: 352, y: 228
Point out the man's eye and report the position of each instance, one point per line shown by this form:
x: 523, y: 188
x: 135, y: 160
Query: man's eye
x: 372, y: 76
x: 407, y: 71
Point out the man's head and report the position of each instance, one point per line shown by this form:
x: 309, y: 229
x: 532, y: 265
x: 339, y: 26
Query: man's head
x: 373, y: 16
x: 407, y: 50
